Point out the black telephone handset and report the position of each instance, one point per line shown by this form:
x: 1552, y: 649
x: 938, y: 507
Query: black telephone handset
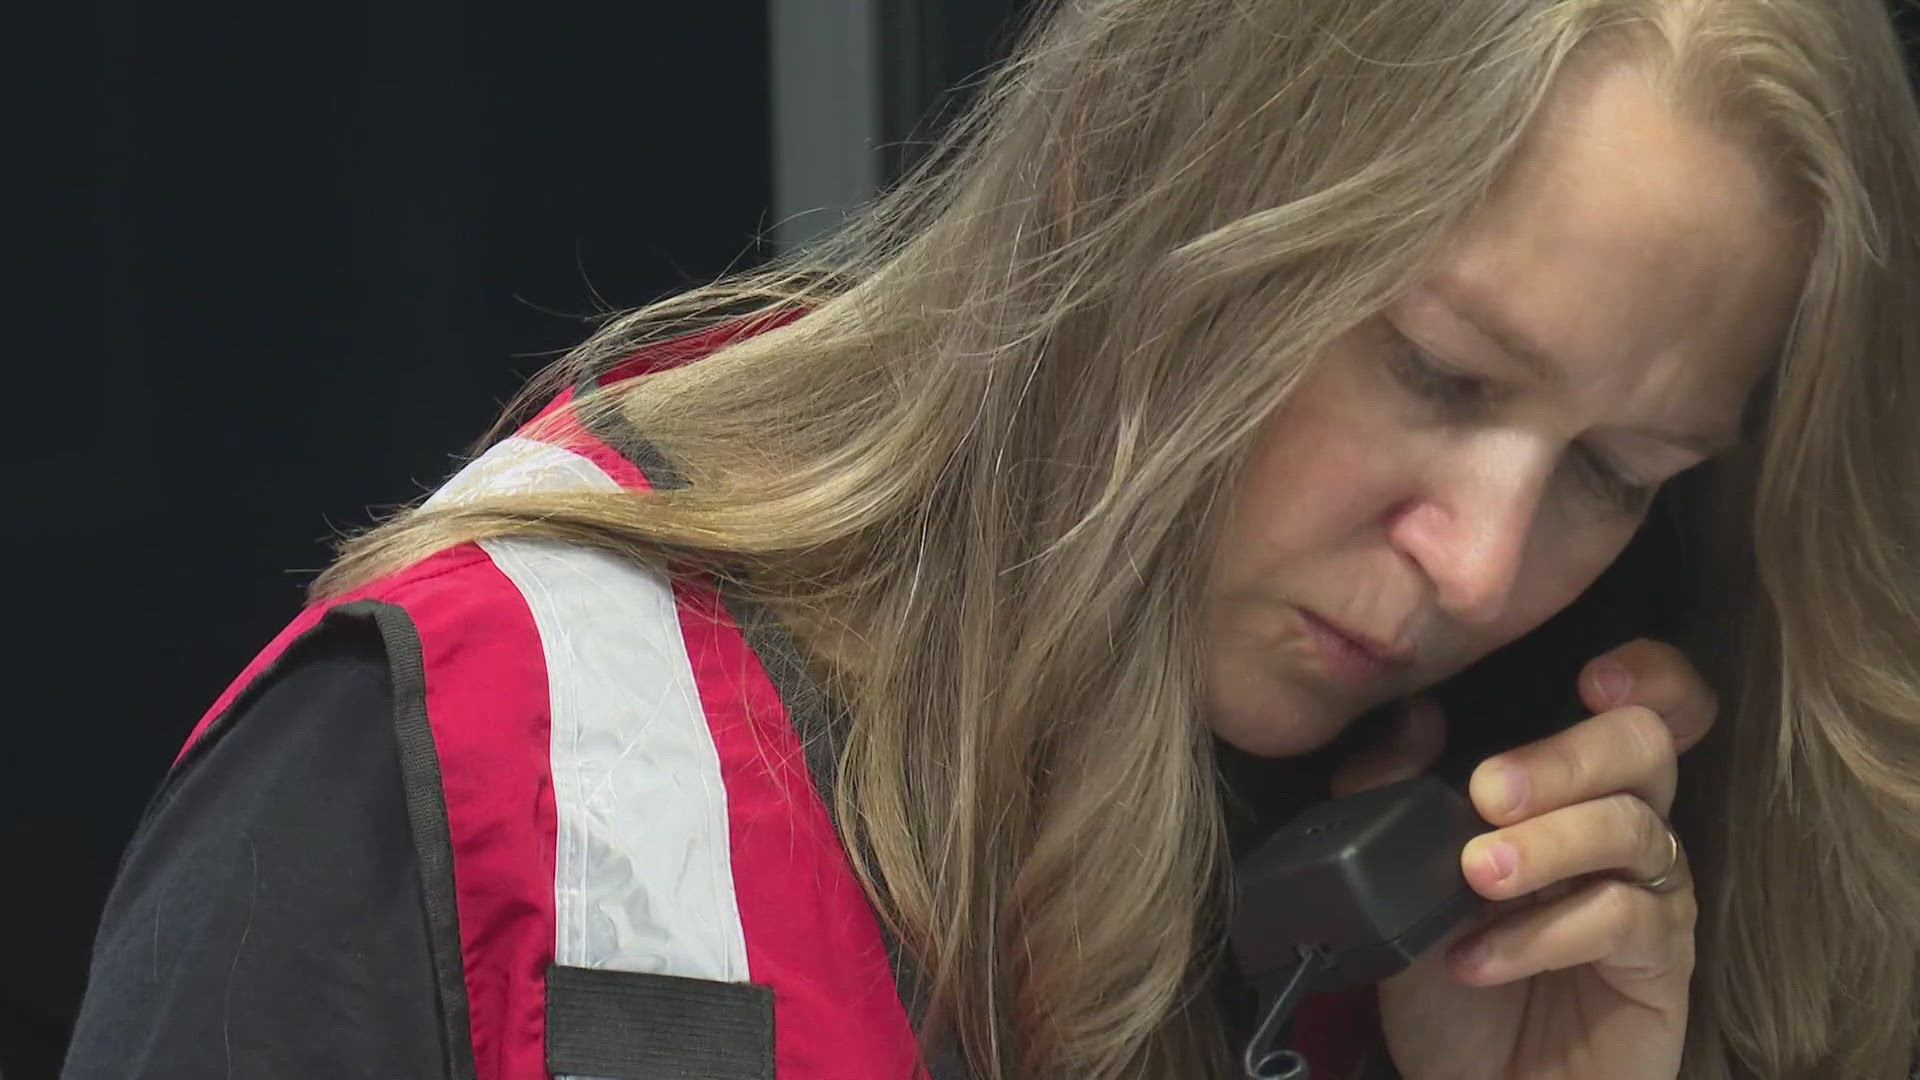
x: 1370, y: 881
x: 1353, y: 889
x: 1350, y: 891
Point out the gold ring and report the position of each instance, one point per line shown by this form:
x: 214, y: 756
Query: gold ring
x: 1663, y: 881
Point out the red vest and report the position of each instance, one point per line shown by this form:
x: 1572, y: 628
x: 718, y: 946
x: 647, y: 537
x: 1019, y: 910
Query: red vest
x: 629, y: 866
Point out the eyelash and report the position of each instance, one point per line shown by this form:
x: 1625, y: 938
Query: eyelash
x: 1455, y: 391
x: 1465, y: 395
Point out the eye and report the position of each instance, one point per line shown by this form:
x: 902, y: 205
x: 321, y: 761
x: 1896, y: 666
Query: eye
x: 1455, y: 391
x: 1461, y: 394
x: 1607, y: 481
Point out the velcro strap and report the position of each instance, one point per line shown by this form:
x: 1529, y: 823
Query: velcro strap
x: 634, y: 1025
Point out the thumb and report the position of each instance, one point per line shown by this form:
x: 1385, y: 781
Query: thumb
x: 1410, y: 748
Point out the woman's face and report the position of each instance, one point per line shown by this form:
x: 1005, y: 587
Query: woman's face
x: 1464, y: 465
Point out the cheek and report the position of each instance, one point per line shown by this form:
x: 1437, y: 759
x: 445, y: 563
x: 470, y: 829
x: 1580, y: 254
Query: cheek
x: 1306, y: 515
x: 1320, y: 473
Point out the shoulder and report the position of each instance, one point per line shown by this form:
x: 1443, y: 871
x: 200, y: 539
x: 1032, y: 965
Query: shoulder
x: 324, y: 699
x: 270, y: 902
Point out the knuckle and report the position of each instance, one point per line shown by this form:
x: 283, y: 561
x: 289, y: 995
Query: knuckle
x: 1637, y: 822
x: 1676, y: 681
x: 1621, y: 817
x: 1612, y: 829
x: 1562, y: 760
x: 1618, y: 906
x: 1644, y: 736
x: 1694, y: 704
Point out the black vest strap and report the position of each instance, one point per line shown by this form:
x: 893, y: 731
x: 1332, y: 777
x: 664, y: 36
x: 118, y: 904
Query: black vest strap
x: 633, y: 1025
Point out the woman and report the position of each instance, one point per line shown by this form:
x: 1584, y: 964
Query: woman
x: 1241, y: 367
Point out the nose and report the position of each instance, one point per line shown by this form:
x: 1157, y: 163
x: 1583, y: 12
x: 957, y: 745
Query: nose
x: 1470, y: 523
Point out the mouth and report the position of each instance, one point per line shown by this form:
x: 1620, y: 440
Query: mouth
x: 1351, y: 655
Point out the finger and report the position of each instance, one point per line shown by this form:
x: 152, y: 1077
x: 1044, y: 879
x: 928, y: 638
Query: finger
x: 1629, y: 749
x: 1634, y: 935
x: 1618, y: 833
x: 1409, y: 748
x: 1658, y: 676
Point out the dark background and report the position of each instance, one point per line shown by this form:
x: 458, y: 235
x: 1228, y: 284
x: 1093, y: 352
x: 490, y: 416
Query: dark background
x: 275, y: 265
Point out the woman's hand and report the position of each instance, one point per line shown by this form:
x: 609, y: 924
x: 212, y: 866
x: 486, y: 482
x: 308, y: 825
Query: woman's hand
x: 1577, y: 973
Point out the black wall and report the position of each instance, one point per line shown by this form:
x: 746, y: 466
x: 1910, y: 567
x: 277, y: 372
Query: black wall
x: 931, y: 53
x: 276, y: 264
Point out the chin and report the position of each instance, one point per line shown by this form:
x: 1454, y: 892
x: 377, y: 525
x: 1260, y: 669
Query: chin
x: 1288, y: 723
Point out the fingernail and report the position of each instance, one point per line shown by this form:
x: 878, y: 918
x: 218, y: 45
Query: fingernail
x: 1509, y: 790
x: 1501, y: 859
x: 1613, y: 680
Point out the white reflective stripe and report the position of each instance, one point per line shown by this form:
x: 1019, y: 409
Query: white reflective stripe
x: 643, y: 878
x: 517, y: 465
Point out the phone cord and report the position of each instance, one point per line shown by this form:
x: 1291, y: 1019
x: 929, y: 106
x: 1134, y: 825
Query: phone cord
x: 1262, y: 1060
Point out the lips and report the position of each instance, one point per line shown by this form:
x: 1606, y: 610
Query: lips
x: 1375, y: 648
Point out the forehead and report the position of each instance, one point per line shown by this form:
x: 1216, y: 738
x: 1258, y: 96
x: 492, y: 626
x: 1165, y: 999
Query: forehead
x: 1630, y: 242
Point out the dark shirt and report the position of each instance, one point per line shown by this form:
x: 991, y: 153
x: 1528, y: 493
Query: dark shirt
x: 268, y: 917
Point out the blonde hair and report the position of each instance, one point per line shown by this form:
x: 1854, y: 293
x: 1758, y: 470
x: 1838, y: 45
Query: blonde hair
x: 985, y: 462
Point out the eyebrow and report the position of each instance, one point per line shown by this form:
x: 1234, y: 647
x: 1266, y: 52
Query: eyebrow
x: 1536, y: 359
